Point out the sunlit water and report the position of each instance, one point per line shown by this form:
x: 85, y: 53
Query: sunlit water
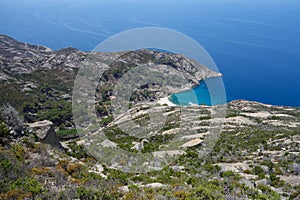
x: 255, y: 44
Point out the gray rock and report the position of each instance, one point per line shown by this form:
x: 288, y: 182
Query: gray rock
x: 192, y: 143
x: 177, y: 168
x: 154, y: 185
x: 139, y: 146
x: 123, y: 189
x: 108, y: 143
x: 45, y: 132
x: 265, y: 168
x: 262, y: 181
x: 40, y: 128
x: 11, y: 117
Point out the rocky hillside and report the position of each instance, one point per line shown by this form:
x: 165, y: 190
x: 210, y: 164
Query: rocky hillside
x: 42, y: 156
x: 25, y: 67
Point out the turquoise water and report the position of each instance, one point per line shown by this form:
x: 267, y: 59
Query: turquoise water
x: 201, y: 95
x: 255, y: 44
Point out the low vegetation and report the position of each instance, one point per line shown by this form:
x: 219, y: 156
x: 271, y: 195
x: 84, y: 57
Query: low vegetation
x: 255, y: 157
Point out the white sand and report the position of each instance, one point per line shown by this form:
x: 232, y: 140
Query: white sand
x: 166, y: 101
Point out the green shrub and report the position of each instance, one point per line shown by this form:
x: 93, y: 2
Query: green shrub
x: 66, y: 133
x: 275, y: 181
x: 209, y: 192
x: 264, y: 188
x: 77, y: 151
x: 180, y: 194
x: 88, y: 194
x: 228, y: 173
x: 4, y: 131
x: 106, y: 120
x: 257, y: 170
x: 101, y: 110
x: 212, y: 168
x: 27, y: 184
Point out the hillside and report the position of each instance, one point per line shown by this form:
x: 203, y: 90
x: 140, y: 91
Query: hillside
x: 43, y: 156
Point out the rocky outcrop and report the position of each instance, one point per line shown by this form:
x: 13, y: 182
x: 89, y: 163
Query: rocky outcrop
x: 192, y: 143
x: 40, y: 128
x: 19, y: 58
x: 45, y: 132
x: 139, y: 146
x: 11, y: 117
x: 155, y: 75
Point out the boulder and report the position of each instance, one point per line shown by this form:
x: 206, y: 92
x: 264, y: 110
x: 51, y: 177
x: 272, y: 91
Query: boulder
x: 192, y: 143
x: 40, y: 128
x: 261, y: 182
x: 154, y: 185
x: 139, y: 146
x: 45, y: 132
x: 123, y: 189
x: 10, y: 116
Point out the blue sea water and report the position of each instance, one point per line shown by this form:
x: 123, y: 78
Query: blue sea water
x: 255, y: 44
x: 201, y: 94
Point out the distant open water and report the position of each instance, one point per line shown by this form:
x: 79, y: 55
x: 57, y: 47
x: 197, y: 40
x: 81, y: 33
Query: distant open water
x: 255, y: 44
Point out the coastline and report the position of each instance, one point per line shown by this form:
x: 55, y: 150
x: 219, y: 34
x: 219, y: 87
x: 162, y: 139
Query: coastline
x: 166, y: 101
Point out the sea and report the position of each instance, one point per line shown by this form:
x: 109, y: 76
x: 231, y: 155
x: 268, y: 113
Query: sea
x: 203, y: 94
x: 255, y: 44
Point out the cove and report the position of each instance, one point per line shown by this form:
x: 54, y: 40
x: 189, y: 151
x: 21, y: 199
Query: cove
x: 201, y: 94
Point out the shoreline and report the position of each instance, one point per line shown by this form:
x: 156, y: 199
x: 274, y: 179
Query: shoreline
x: 165, y: 100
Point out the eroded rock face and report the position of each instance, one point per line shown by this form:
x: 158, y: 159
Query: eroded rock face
x: 19, y: 58
x: 11, y: 117
x: 40, y: 128
x: 45, y: 132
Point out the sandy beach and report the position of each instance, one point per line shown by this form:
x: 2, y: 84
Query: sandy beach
x: 166, y: 101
